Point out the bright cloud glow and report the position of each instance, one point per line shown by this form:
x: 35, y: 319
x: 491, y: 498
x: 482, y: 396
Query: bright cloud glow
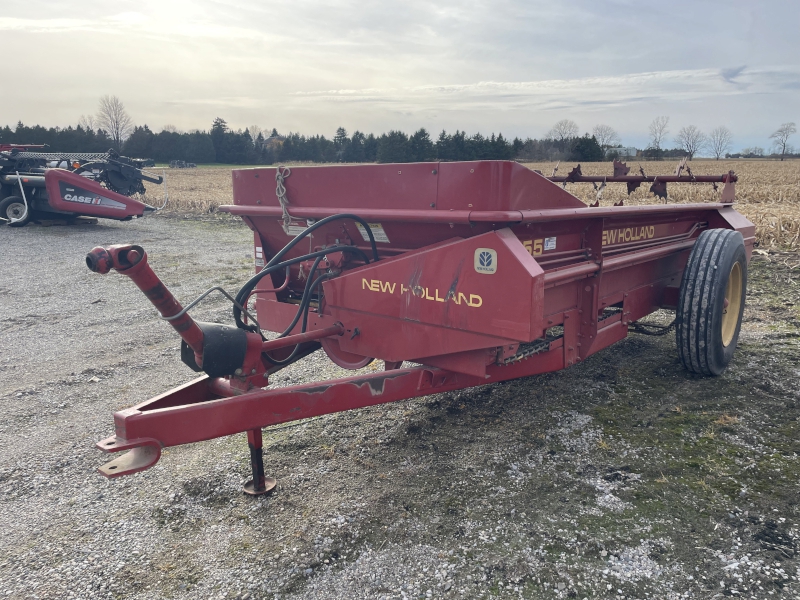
x: 514, y: 66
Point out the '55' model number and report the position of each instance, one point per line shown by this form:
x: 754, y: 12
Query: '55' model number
x: 536, y: 247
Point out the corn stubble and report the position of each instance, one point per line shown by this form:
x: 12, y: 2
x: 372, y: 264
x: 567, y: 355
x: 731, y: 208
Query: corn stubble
x: 768, y: 192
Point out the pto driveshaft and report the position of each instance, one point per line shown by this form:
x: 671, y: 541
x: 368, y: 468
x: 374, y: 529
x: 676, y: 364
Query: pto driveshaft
x: 132, y: 261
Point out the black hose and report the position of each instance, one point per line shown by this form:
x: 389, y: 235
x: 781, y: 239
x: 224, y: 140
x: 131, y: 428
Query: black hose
x: 306, y: 293
x: 247, y: 288
x: 304, y: 306
x: 319, y: 224
x: 274, y: 265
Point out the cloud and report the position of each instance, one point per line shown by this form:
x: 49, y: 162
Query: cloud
x: 308, y: 65
x: 134, y: 23
x: 730, y: 75
x: 43, y: 25
x: 561, y: 94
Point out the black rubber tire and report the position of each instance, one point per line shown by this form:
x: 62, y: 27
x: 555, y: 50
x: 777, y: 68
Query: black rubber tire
x: 6, y: 211
x: 701, y: 302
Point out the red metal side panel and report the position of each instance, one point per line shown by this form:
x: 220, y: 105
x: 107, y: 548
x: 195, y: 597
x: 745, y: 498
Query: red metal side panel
x: 391, y: 339
x: 486, y: 284
x: 498, y: 185
x: 486, y: 185
x: 741, y: 224
x: 344, y: 187
x: 75, y: 194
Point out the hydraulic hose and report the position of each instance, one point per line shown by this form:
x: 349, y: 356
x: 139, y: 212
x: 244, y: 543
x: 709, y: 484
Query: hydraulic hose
x: 304, y: 306
x: 276, y: 264
x: 247, y: 288
x: 319, y: 224
x: 306, y: 293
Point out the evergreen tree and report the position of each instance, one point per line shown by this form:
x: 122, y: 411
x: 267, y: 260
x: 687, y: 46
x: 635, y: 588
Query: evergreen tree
x: 394, y: 147
x: 223, y: 145
x: 341, y: 139
x: 501, y: 149
x: 421, y: 145
x: 341, y: 142
x: 587, y: 149
x: 140, y: 143
x: 218, y: 130
x: 516, y: 147
x: 371, y: 148
x: 355, y: 151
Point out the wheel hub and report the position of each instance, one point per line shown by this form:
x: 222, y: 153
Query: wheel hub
x: 15, y: 211
x: 732, y: 304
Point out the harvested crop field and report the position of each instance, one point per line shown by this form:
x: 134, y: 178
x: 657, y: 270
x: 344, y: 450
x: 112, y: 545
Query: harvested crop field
x: 768, y: 191
x: 622, y: 477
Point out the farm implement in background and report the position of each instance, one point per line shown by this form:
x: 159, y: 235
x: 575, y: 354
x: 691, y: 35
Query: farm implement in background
x: 452, y: 274
x: 658, y: 183
x: 21, y: 147
x: 52, y: 185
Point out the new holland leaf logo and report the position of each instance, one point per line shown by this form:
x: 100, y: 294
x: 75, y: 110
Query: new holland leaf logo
x: 485, y: 260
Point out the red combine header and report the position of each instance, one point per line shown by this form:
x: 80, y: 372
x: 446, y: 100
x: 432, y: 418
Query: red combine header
x: 468, y: 273
x: 46, y: 185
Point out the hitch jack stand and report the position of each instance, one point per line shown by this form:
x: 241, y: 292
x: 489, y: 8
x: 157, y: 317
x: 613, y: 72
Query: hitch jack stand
x: 259, y: 485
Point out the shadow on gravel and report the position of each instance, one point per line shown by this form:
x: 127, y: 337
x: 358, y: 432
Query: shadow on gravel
x: 624, y: 476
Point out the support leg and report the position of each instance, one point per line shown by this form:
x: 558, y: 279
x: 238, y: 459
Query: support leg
x: 259, y: 484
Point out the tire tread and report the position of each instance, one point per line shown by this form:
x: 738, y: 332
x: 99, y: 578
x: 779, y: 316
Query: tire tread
x: 701, y: 285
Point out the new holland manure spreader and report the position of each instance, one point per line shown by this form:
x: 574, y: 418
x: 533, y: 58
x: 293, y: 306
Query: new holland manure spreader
x: 452, y: 274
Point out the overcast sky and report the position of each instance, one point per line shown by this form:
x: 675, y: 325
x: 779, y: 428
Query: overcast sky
x: 515, y: 66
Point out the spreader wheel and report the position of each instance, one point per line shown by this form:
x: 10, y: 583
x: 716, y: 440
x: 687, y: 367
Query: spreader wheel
x: 711, y: 301
x: 12, y: 209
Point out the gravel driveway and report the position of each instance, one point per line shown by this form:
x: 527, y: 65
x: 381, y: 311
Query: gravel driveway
x: 623, y: 477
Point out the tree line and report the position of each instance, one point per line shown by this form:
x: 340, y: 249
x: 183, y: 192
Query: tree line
x: 112, y: 127
x: 221, y: 144
x: 691, y: 140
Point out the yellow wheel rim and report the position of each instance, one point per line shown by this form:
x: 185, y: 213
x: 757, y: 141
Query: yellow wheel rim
x: 732, y: 304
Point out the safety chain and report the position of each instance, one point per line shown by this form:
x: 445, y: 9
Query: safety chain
x: 280, y: 191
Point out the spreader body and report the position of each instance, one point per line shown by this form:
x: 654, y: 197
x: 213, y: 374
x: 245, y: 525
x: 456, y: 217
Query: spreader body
x: 452, y: 274
x: 477, y: 259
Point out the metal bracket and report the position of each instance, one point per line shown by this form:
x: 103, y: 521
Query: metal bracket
x: 144, y: 453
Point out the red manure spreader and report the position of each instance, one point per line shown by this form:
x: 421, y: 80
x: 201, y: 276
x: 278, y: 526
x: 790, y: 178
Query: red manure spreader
x: 453, y: 274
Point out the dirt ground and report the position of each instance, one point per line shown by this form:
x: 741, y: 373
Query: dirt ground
x: 622, y: 477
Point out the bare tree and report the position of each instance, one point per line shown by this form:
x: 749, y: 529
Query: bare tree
x: 691, y: 139
x: 563, y: 130
x: 112, y: 117
x: 255, y: 131
x: 169, y: 128
x: 754, y: 152
x: 719, y: 141
x: 606, y: 136
x: 781, y: 137
x: 659, y: 128
x: 86, y: 122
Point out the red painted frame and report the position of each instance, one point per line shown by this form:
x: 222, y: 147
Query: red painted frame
x: 558, y: 264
